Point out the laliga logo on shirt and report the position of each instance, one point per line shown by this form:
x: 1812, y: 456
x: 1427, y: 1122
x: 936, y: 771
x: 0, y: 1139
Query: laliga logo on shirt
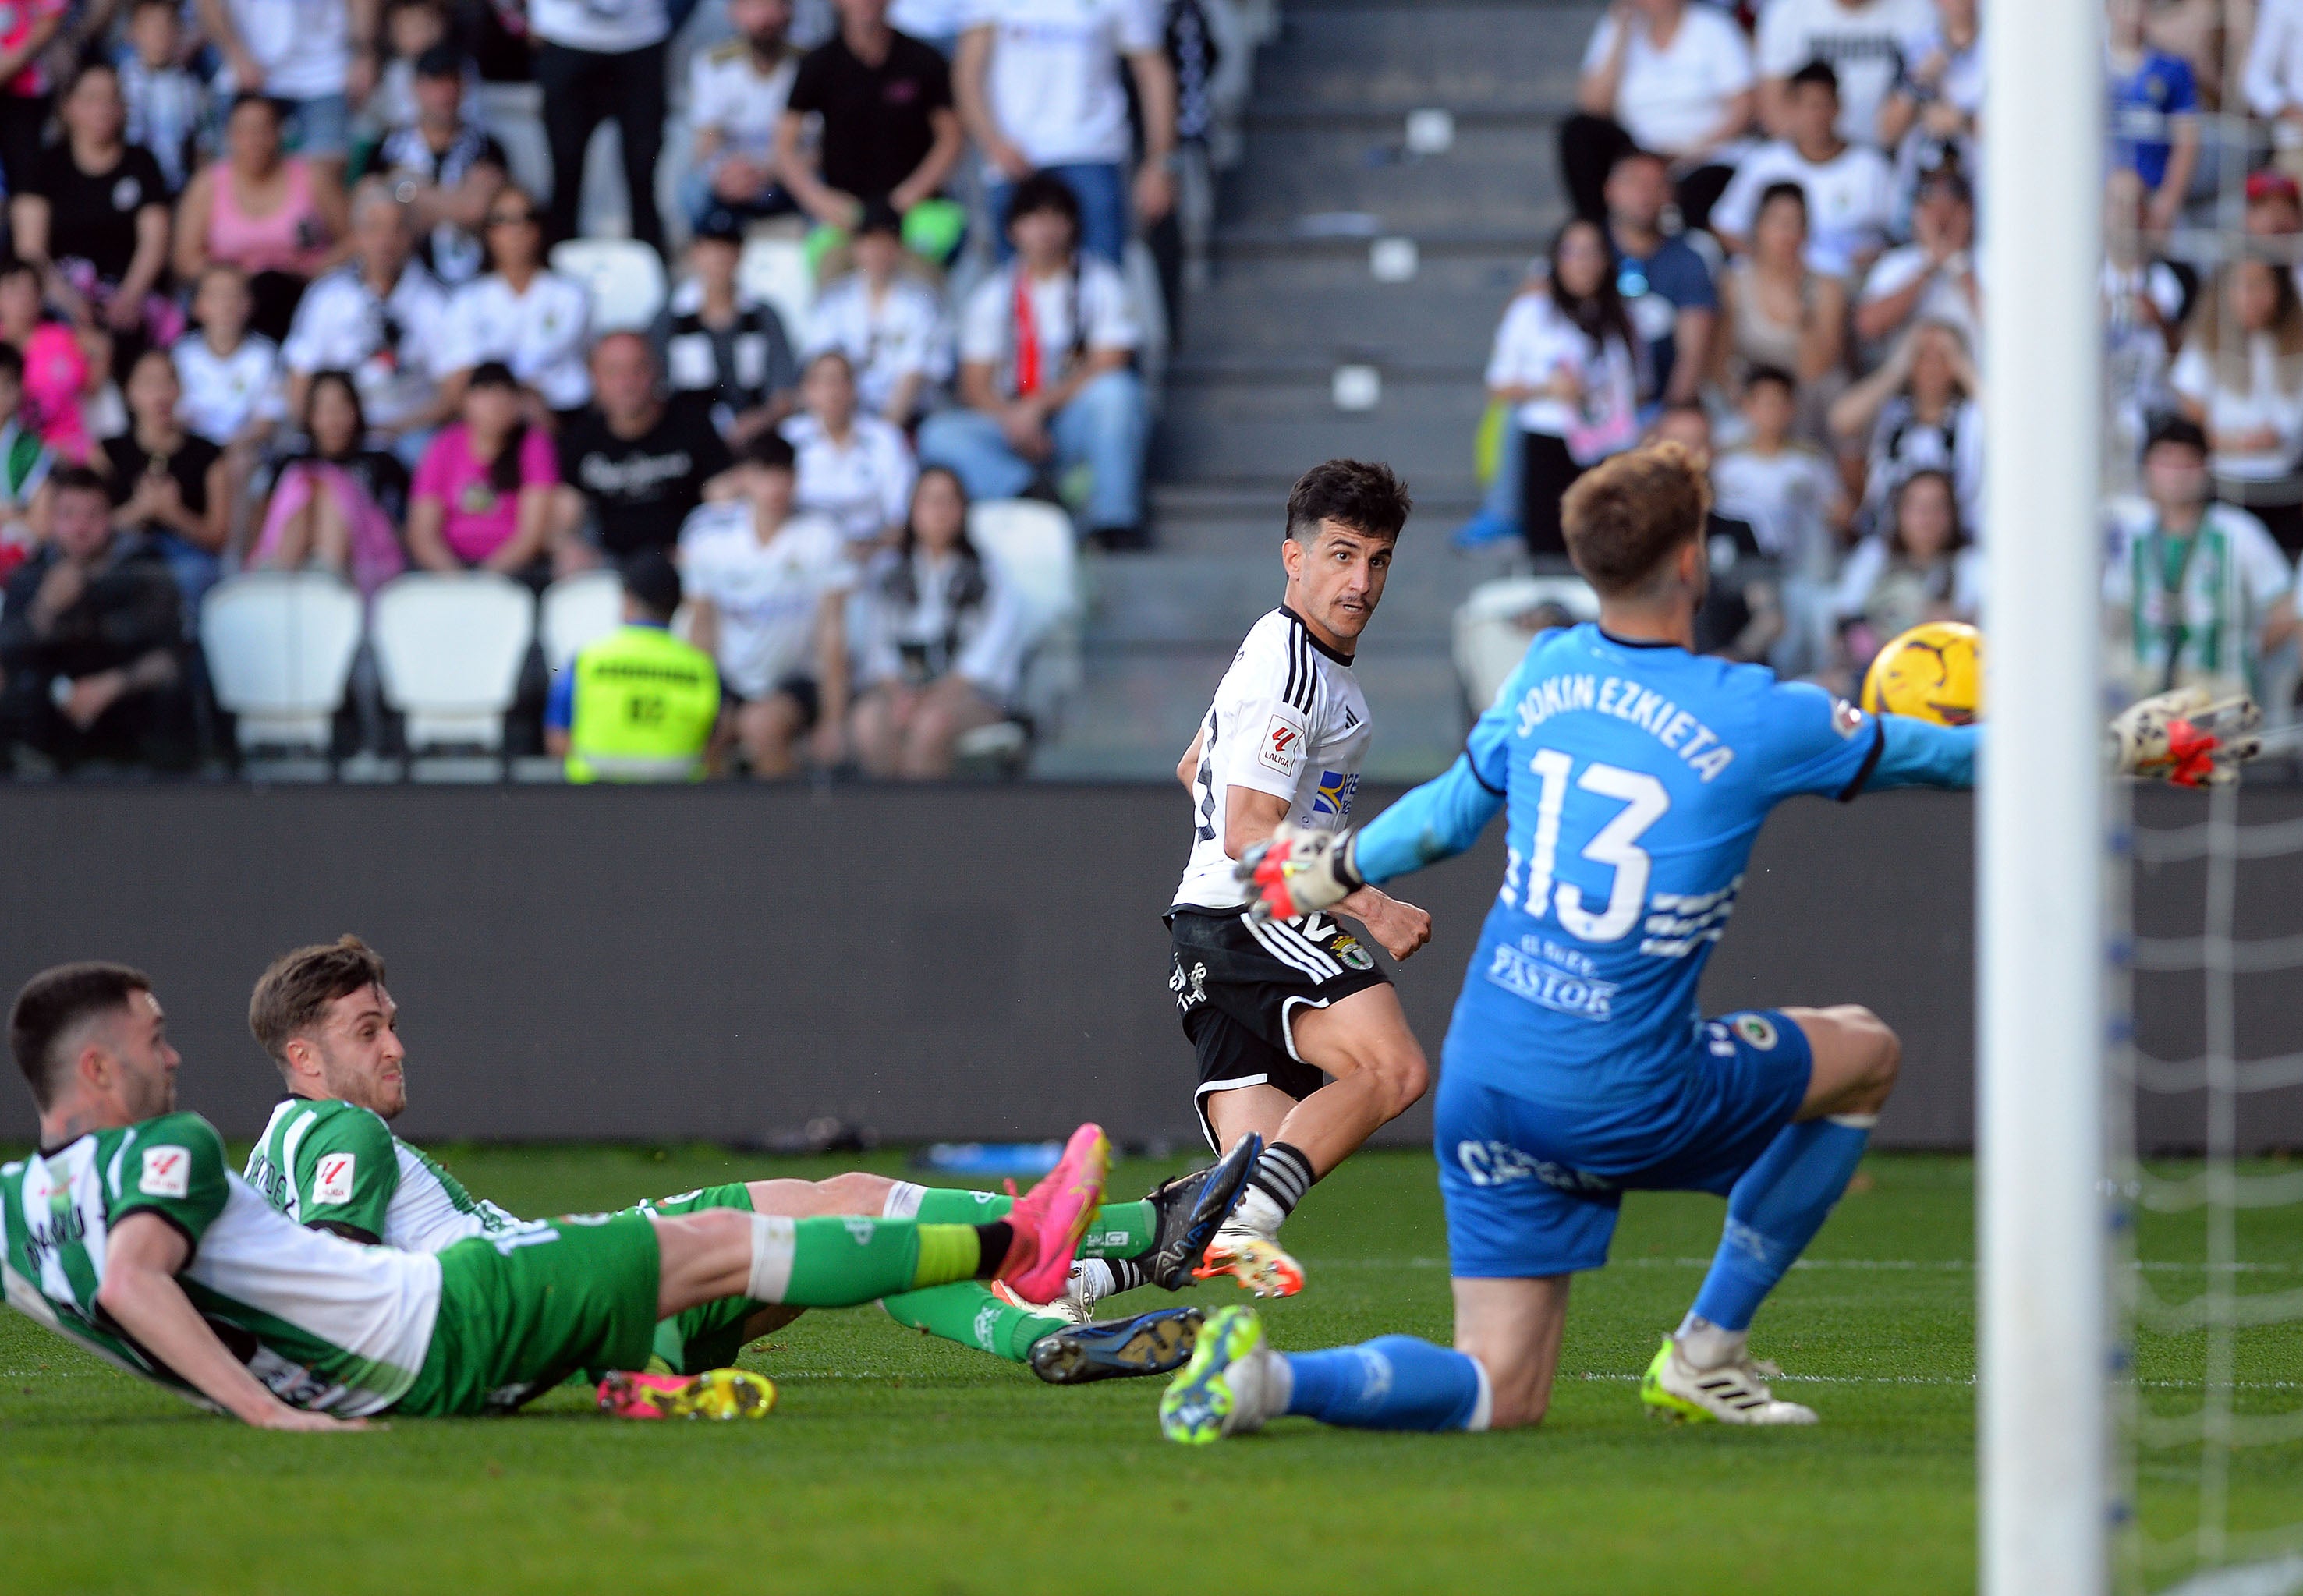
x: 167, y: 1173
x: 1283, y: 745
x: 335, y: 1185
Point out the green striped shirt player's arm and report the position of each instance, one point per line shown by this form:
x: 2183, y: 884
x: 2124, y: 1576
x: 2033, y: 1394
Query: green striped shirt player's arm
x: 329, y: 1166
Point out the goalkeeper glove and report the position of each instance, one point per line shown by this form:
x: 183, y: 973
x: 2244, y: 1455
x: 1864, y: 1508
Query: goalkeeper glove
x: 2188, y: 737
x: 1296, y: 872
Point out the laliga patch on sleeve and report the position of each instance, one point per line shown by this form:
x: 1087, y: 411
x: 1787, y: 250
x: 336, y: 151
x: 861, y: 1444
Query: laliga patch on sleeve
x: 332, y: 1181
x: 167, y: 1173
x: 1282, y: 748
x: 1846, y: 719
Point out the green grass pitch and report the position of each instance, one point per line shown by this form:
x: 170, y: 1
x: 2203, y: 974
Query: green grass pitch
x: 899, y: 1463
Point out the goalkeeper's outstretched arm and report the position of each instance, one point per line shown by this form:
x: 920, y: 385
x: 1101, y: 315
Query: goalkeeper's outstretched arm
x: 1919, y: 753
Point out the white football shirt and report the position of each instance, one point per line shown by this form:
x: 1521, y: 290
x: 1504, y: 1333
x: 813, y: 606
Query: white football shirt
x: 764, y: 595
x: 1289, y: 719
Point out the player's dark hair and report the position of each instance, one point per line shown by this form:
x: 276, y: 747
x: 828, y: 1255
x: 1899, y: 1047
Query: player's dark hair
x: 295, y: 990
x: 1042, y: 191
x: 53, y: 1005
x: 1815, y: 72
x: 1775, y: 374
x: 1628, y: 514
x: 653, y: 583
x: 1364, y: 495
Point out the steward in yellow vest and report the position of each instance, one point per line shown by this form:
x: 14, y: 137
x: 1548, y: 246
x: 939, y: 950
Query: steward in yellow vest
x: 637, y: 704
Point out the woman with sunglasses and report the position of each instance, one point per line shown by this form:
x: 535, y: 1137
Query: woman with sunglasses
x: 521, y: 312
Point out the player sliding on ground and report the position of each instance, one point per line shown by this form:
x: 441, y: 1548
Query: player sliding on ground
x: 127, y: 1235
x: 329, y: 1160
x: 1270, y: 1005
x: 1635, y: 776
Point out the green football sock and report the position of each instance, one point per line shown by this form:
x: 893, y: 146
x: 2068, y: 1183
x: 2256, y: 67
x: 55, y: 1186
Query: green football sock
x: 839, y: 1263
x: 968, y: 1313
x: 1117, y: 1230
x: 958, y: 1205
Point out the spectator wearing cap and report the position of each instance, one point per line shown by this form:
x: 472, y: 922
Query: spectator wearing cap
x: 91, y: 642
x: 2155, y: 116
x: 1932, y: 278
x: 2239, y: 376
x: 1038, y: 86
x: 482, y: 494
x: 2273, y: 79
x: 318, y: 61
x: 595, y: 63
x: 716, y: 340
x: 1662, y: 75
x: 2197, y: 590
x: 521, y: 312
x: 635, y: 462
x: 735, y: 97
x: 637, y: 704
x: 2274, y: 209
x: 889, y: 130
x: 1861, y: 40
x: 770, y: 593
x: 280, y: 218
x: 445, y: 170
x: 889, y: 323
x: 382, y: 318
x: 1046, y: 379
x: 854, y: 467
x: 1851, y: 195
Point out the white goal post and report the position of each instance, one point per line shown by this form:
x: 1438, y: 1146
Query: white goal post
x: 2042, y: 1358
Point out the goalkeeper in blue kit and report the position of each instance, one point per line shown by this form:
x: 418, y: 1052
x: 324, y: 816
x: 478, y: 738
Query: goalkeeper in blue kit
x: 1634, y: 776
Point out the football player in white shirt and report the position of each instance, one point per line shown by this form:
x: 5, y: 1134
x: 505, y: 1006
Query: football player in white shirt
x: 735, y: 94
x: 889, y: 323
x: 1270, y: 1005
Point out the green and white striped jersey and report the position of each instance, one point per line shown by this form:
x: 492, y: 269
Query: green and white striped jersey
x: 325, y: 1323
x: 339, y: 1165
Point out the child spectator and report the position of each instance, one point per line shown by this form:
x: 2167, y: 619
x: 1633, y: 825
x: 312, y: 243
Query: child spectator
x: 337, y: 507
x: 770, y: 592
x: 167, y: 482
x: 2197, y: 592
x: 1564, y: 357
x: 1921, y: 411
x: 887, y: 322
x: 1850, y: 191
x: 854, y: 469
x: 443, y: 168
x: 1663, y: 75
x: 167, y: 104
x: 943, y: 645
x: 57, y: 374
x: 1789, y: 493
x: 1920, y: 568
x: 716, y: 340
x: 25, y: 463
x: 231, y: 377
x: 735, y: 97
x: 2240, y: 376
x: 482, y: 497
x: 2155, y: 116
x: 1741, y: 616
x: 1777, y: 311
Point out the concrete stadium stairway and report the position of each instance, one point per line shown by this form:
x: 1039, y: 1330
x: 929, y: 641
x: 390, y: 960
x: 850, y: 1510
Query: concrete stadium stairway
x: 1292, y: 297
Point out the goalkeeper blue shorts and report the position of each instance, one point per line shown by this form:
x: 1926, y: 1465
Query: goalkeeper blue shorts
x: 1533, y: 1188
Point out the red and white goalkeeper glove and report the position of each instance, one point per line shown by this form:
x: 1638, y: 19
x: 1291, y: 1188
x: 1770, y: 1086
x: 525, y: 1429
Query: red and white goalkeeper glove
x: 2188, y: 737
x: 1296, y: 872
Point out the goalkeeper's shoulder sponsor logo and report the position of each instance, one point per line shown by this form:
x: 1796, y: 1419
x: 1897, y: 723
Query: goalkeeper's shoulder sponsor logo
x: 332, y: 1178
x: 167, y: 1173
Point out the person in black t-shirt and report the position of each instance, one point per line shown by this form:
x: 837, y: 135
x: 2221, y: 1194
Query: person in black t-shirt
x: 168, y: 483
x: 889, y: 130
x: 634, y: 463
x: 92, y: 215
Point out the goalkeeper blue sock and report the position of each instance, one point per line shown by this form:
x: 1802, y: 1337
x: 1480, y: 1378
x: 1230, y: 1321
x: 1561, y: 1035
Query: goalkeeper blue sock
x: 1775, y: 1211
x: 1393, y: 1383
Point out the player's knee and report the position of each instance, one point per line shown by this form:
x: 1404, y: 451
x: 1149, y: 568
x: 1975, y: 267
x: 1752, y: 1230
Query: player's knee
x: 855, y: 1192
x: 1405, y: 1076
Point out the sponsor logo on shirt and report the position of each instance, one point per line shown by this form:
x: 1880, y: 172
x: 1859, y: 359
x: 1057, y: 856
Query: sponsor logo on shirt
x: 334, y: 1183
x: 1757, y: 1029
x: 1282, y: 748
x: 167, y: 1173
x: 1549, y: 987
x: 1499, y: 1163
x: 1336, y: 793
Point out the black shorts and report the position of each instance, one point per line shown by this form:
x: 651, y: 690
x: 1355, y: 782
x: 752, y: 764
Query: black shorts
x: 1238, y: 986
x: 800, y: 690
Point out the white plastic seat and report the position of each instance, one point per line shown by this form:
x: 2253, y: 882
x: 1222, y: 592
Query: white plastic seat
x: 448, y: 648
x: 280, y: 646
x: 1032, y: 546
x: 776, y: 270
x: 625, y: 276
x: 575, y: 610
x: 1489, y: 639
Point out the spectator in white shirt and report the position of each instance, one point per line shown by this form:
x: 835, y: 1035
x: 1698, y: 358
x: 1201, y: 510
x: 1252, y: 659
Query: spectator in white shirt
x: 1932, y: 278
x: 1862, y: 42
x: 596, y: 63
x: 2240, y: 376
x: 1789, y: 492
x: 229, y: 378
x: 1921, y: 411
x: 530, y: 317
x: 887, y: 322
x: 770, y: 593
x: 381, y: 317
x: 1045, y: 375
x: 1670, y: 76
x: 168, y: 105
x: 1919, y: 568
x: 316, y: 57
x: 854, y: 469
x: 1851, y: 197
x: 2272, y: 81
x: 942, y: 643
x: 1038, y: 87
x: 736, y: 97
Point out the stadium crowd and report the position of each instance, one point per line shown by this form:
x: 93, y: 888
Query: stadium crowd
x: 275, y: 299
x: 1773, y: 255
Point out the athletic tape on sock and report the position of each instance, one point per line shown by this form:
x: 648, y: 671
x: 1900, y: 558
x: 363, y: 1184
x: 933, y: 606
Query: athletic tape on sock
x: 1854, y: 1121
x: 1483, y: 1406
x: 775, y: 1241
x: 903, y: 1200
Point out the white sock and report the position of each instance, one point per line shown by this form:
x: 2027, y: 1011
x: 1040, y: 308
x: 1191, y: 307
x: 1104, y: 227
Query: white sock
x: 1257, y: 1212
x: 902, y: 1201
x: 1705, y: 1346
x: 1483, y: 1408
x: 775, y: 1240
x: 1278, y: 1383
x: 1091, y: 1279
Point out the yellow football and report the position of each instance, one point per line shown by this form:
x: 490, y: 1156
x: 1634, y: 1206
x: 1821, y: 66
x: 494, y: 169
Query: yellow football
x: 1932, y: 672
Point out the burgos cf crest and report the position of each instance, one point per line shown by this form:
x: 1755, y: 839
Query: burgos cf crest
x: 1336, y: 791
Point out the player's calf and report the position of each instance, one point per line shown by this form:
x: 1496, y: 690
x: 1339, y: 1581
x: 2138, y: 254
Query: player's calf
x: 1512, y: 1327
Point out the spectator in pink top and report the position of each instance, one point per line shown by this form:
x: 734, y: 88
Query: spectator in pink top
x: 280, y: 218
x: 27, y: 29
x: 57, y: 372
x: 483, y: 493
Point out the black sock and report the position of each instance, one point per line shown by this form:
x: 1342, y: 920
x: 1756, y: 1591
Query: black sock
x: 1283, y: 1174
x: 1127, y: 1274
x: 992, y: 1244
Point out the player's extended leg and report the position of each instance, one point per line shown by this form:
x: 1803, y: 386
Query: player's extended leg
x: 1775, y: 1209
x: 1361, y: 1040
